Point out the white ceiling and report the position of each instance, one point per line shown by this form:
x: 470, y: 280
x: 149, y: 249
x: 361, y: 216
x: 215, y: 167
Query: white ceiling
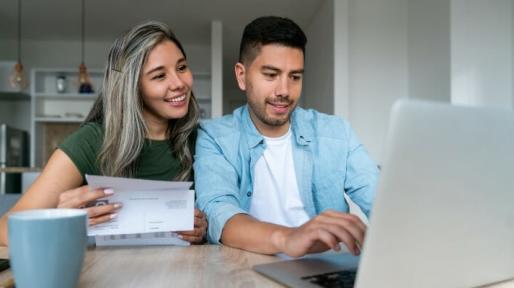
x: 105, y: 19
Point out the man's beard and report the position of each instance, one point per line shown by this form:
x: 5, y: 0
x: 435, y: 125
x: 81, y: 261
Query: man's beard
x: 260, y: 111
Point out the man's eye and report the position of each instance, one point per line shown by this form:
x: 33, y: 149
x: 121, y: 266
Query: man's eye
x: 296, y: 77
x: 270, y: 75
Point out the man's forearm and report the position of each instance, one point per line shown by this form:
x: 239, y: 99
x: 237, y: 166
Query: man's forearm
x: 245, y: 232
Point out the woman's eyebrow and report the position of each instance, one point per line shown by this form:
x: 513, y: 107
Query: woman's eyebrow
x: 155, y: 69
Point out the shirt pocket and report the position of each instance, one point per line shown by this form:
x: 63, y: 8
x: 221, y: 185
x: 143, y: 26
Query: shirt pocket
x: 329, y: 189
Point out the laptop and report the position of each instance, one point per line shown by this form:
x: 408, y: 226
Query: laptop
x: 444, y: 211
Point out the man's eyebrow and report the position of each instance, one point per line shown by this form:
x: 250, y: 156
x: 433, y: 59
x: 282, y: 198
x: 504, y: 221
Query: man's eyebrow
x: 299, y: 71
x: 268, y: 67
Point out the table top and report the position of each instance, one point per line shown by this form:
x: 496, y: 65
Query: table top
x: 163, y: 266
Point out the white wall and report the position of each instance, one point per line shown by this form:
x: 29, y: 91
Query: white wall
x: 481, y: 49
x: 66, y: 54
x: 56, y: 54
x: 341, y: 61
x: 318, y: 85
x: 378, y: 70
x: 429, y: 49
x: 358, y: 67
x: 458, y: 51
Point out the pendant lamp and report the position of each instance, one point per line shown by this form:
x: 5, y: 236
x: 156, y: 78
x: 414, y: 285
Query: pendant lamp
x: 84, y: 81
x: 17, y: 78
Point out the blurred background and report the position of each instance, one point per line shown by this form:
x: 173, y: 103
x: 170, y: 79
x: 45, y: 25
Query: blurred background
x: 361, y: 56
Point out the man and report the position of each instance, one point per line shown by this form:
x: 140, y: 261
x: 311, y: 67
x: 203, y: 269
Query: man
x: 271, y: 177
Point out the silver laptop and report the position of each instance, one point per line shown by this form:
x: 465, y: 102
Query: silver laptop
x: 444, y: 211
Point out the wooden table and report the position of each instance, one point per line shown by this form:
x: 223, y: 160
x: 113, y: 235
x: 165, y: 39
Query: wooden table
x: 195, y: 266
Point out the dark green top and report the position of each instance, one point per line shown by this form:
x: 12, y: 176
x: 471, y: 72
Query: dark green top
x: 156, y: 161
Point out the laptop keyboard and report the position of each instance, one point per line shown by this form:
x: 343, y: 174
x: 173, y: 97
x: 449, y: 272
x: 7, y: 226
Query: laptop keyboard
x: 340, y: 279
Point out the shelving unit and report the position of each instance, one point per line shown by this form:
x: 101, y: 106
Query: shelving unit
x: 202, y: 90
x: 54, y: 115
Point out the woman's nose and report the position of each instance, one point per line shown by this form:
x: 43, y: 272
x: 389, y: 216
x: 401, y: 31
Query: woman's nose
x: 176, y: 82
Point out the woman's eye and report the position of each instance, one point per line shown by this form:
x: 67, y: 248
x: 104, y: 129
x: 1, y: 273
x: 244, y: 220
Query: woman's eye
x: 182, y: 68
x: 158, y: 76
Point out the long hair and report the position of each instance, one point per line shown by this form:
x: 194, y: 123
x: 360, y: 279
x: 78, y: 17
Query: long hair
x: 119, y: 106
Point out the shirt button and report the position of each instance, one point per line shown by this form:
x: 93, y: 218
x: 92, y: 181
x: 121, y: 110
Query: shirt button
x: 249, y: 193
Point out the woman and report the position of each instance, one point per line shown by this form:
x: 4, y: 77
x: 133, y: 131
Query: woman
x: 142, y: 125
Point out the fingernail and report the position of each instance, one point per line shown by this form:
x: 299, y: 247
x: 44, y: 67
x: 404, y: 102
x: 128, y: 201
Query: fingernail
x: 117, y: 205
x: 113, y: 215
x: 359, y: 246
x: 108, y: 191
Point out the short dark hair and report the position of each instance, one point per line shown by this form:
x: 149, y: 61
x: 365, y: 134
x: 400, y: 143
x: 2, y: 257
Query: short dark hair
x: 270, y: 30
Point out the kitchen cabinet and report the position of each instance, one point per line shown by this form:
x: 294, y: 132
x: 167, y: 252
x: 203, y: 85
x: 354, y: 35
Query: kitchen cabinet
x: 57, y: 108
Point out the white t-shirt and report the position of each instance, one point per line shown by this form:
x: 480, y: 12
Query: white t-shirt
x: 276, y: 198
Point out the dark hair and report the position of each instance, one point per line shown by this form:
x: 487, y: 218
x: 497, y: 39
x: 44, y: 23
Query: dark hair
x: 269, y: 30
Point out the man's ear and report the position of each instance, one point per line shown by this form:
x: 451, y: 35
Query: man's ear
x: 240, y: 71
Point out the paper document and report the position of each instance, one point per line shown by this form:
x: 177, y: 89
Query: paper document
x: 157, y: 238
x: 148, y: 206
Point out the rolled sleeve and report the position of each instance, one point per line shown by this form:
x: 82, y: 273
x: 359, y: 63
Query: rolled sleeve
x: 216, y: 185
x: 218, y: 215
x: 361, y: 173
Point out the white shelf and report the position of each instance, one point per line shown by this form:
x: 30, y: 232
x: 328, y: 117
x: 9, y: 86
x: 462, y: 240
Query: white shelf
x: 59, y: 120
x: 50, y: 107
x: 67, y: 96
x: 68, y: 70
x: 44, y: 80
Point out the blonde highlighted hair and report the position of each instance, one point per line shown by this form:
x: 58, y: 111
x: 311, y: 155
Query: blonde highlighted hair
x: 120, y: 107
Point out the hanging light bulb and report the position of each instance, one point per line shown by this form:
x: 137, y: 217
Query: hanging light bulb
x: 84, y: 81
x: 17, y: 78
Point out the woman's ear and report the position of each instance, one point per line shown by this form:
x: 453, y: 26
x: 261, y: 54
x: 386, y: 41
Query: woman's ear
x: 240, y: 71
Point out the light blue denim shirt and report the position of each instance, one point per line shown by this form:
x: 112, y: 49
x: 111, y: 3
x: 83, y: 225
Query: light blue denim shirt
x: 328, y: 159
